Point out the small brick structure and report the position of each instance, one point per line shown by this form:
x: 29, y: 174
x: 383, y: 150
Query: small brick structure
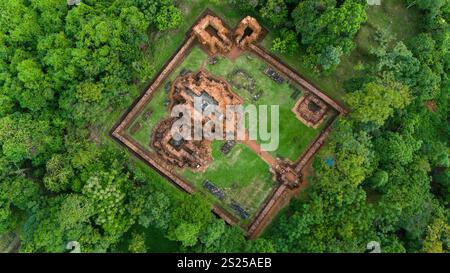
x: 310, y: 110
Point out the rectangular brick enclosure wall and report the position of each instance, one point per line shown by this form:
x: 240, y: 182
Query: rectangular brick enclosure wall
x: 269, y: 206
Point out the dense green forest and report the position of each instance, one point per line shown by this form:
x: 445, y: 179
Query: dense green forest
x: 67, y: 72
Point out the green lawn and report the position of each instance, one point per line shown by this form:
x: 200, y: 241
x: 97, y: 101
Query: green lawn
x: 159, y: 111
x: 393, y: 15
x: 241, y: 174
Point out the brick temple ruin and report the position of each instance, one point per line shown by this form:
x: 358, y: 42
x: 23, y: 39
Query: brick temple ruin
x: 213, y: 36
x: 247, y: 32
x: 310, y: 110
x: 210, y: 90
x: 211, y: 32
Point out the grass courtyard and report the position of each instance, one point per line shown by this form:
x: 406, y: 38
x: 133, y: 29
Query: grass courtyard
x: 241, y: 174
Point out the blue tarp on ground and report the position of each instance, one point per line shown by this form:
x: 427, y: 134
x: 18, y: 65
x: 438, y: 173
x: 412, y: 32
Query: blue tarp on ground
x: 329, y: 161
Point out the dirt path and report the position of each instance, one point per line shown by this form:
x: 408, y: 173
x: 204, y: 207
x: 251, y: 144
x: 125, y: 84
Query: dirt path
x: 268, y: 158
